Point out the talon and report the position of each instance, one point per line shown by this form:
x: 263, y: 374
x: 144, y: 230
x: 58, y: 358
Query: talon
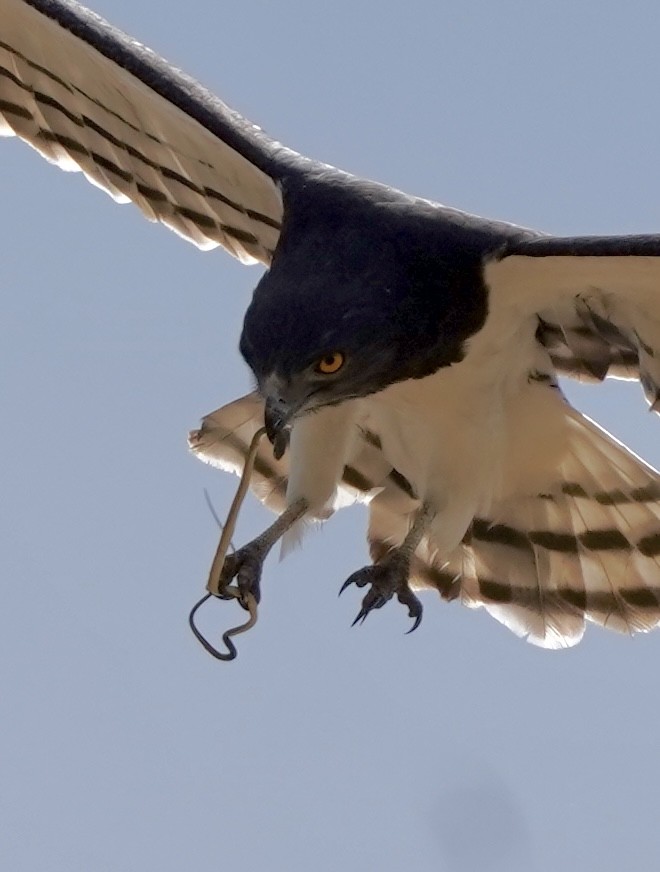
x: 361, y: 578
x: 373, y: 600
x: 245, y: 566
x: 386, y: 578
x: 407, y: 598
x: 346, y: 584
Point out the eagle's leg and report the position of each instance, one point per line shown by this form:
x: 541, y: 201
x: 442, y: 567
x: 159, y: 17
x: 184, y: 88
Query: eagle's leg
x: 246, y: 563
x: 390, y: 575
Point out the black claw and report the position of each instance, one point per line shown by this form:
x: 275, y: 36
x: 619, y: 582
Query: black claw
x: 386, y: 579
x: 416, y: 623
x: 361, y: 617
x: 415, y: 610
x: 373, y: 600
x: 359, y: 579
x: 347, y: 583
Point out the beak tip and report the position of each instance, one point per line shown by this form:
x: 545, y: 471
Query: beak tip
x: 280, y: 444
x: 276, y: 420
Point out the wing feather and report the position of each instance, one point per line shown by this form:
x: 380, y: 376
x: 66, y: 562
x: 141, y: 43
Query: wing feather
x: 223, y: 441
x: 90, y: 99
x: 597, y: 301
x: 224, y: 438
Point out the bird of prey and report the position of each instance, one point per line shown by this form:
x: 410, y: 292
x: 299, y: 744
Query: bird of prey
x: 405, y: 354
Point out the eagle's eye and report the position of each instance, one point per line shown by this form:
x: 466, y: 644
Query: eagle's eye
x: 330, y: 363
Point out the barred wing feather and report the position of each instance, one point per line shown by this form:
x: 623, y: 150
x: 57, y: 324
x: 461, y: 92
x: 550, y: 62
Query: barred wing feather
x: 91, y: 99
x: 223, y: 441
x: 597, y: 300
x: 224, y: 438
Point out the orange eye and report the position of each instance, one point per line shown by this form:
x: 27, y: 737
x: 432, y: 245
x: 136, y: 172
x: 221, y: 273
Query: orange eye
x: 330, y: 363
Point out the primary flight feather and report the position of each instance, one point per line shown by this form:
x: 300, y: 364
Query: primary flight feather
x: 405, y: 354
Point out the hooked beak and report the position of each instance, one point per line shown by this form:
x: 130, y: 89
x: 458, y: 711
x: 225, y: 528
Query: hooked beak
x: 277, y: 416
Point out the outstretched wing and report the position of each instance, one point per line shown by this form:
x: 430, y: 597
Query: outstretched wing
x: 597, y: 300
x: 89, y: 98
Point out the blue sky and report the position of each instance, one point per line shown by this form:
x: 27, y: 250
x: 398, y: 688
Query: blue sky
x: 323, y: 747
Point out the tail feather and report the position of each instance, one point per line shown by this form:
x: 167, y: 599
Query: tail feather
x: 615, y: 511
x: 586, y: 549
x: 527, y: 592
x: 589, y: 548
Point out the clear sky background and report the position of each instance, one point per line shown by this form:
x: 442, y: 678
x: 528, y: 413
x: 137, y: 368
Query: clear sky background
x: 461, y: 748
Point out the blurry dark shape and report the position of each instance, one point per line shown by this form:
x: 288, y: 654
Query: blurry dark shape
x: 481, y: 826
